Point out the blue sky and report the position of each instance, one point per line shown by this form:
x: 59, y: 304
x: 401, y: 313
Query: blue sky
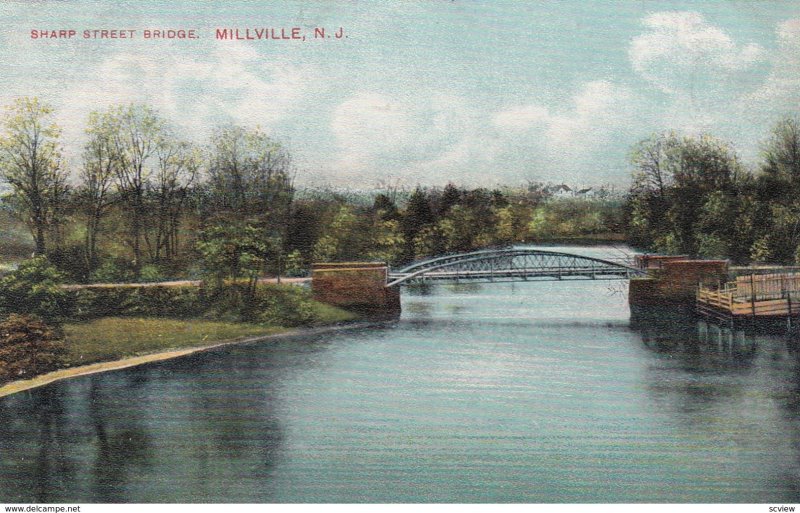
x: 478, y: 93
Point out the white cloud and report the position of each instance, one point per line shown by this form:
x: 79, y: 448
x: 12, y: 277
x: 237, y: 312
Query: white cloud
x: 378, y: 134
x: 522, y: 118
x: 711, y: 82
x: 599, y: 106
x: 680, y: 49
x: 511, y: 145
x: 368, y: 125
x: 357, y: 119
x: 782, y: 86
x: 231, y: 84
x: 596, y: 108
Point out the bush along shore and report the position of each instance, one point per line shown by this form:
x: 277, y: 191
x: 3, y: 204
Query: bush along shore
x: 46, y: 327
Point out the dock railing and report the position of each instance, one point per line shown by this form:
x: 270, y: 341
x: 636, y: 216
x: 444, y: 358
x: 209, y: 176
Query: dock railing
x: 754, y: 295
x: 721, y: 298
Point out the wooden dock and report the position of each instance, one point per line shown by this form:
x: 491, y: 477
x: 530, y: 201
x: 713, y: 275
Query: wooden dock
x: 765, y: 296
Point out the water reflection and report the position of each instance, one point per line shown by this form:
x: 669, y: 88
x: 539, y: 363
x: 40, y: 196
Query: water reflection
x: 123, y: 446
x: 52, y: 466
x: 721, y: 381
x: 168, y: 428
x: 699, y: 346
x: 419, y: 289
x: 464, y: 288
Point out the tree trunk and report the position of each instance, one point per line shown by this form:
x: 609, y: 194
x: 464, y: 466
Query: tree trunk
x: 136, y: 233
x: 40, y: 245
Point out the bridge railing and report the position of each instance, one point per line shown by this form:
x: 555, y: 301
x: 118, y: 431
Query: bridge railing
x: 511, y: 263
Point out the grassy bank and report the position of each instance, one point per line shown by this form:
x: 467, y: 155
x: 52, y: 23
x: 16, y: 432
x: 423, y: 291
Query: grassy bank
x: 115, y: 338
x: 115, y: 326
x: 83, y: 369
x: 112, y: 338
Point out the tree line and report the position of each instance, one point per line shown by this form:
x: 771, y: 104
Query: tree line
x: 694, y: 196
x: 138, y: 184
x: 146, y: 204
x: 432, y: 221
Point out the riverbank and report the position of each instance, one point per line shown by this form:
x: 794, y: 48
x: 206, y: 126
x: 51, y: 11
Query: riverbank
x: 106, y: 366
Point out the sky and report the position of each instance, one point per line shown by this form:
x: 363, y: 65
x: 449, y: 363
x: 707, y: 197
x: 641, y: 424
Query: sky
x: 478, y: 93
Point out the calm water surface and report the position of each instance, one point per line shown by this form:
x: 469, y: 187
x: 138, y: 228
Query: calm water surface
x: 526, y: 392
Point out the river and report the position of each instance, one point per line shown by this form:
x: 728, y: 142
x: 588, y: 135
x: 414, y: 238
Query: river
x: 512, y: 392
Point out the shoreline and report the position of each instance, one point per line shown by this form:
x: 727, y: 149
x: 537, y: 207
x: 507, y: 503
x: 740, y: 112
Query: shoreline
x: 112, y: 365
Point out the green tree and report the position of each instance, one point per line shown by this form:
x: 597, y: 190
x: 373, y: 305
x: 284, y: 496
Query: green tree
x: 462, y: 231
x: 684, y: 191
x: 100, y: 168
x: 512, y: 222
x: 231, y: 252
x: 345, y: 238
x: 781, y: 169
x: 778, y: 187
x: 295, y: 266
x: 178, y: 164
x: 30, y: 161
x: 249, y: 173
x: 451, y: 196
x: 386, y: 208
x: 250, y: 178
x: 713, y: 228
x: 429, y: 242
x: 387, y: 242
x: 136, y: 133
x: 416, y: 216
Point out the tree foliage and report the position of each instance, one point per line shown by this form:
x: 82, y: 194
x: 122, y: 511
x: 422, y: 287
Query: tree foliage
x: 233, y: 251
x: 100, y: 168
x: 149, y: 205
x: 34, y: 288
x: 30, y: 161
x: 250, y: 174
x: 685, y: 190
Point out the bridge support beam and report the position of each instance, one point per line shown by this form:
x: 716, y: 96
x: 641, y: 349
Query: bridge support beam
x: 356, y: 286
x: 673, y: 281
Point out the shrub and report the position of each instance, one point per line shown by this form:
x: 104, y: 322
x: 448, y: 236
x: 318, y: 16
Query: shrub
x: 91, y: 303
x: 295, y: 267
x: 150, y: 273
x: 113, y: 270
x: 270, y: 304
x: 283, y: 306
x: 275, y: 305
x: 70, y: 260
x: 28, y: 347
x: 34, y: 289
x: 154, y: 301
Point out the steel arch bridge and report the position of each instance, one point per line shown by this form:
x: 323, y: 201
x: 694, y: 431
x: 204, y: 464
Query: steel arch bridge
x: 512, y: 265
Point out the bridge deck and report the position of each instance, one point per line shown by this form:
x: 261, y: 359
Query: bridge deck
x: 512, y: 264
x: 521, y: 274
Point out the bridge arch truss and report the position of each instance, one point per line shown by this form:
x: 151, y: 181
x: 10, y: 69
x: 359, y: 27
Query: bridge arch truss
x: 512, y: 265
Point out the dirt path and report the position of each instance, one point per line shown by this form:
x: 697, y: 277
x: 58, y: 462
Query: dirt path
x: 179, y: 283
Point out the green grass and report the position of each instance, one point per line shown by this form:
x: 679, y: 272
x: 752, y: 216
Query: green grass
x: 114, y: 338
x: 327, y: 314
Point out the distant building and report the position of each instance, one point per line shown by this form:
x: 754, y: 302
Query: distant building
x: 562, y: 191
